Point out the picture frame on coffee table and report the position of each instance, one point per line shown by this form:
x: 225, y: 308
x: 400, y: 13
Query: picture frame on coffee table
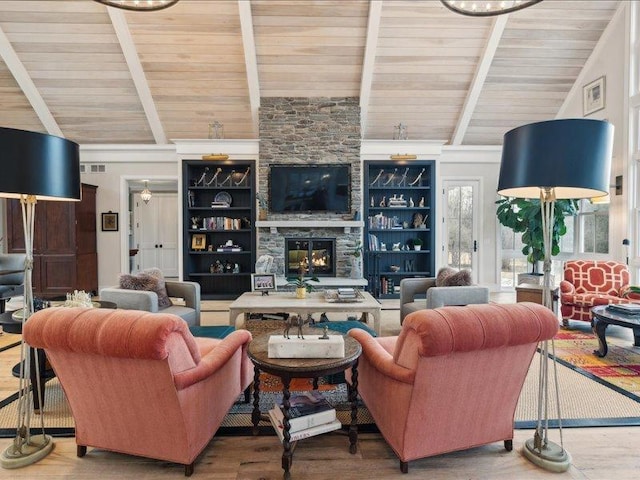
x: 263, y: 282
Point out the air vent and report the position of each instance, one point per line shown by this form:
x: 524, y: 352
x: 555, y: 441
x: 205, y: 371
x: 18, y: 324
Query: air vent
x: 98, y: 168
x: 82, y: 169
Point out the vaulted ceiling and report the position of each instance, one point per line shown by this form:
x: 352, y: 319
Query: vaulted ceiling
x: 94, y: 74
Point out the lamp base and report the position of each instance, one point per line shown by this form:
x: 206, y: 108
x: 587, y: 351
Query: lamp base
x: 39, y: 446
x: 552, y: 457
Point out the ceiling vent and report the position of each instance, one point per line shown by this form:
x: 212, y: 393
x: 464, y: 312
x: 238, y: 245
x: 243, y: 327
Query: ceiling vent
x: 97, y: 168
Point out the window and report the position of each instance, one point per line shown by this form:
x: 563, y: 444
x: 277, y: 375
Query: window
x: 593, y: 223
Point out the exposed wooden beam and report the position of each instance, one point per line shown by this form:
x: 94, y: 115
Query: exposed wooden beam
x: 373, y: 27
x: 479, y: 78
x: 250, y: 59
x: 137, y: 73
x: 22, y: 77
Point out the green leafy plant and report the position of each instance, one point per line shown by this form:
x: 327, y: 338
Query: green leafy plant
x: 301, y: 282
x: 417, y: 242
x: 357, y: 250
x: 524, y: 216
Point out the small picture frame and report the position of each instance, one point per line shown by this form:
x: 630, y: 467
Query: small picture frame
x: 109, y: 221
x: 263, y: 282
x: 198, y: 241
x: 593, y: 96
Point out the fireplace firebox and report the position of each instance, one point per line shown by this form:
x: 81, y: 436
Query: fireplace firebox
x: 317, y: 256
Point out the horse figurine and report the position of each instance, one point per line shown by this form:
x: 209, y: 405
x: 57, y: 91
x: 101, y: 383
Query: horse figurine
x: 296, y: 320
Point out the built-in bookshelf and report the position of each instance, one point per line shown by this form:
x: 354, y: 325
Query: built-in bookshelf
x: 399, y: 223
x: 219, y: 218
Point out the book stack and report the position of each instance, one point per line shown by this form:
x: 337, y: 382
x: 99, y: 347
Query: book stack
x: 625, y: 308
x: 310, y: 414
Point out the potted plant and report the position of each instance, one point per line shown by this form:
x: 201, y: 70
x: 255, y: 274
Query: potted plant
x: 524, y: 216
x: 417, y: 243
x: 301, y: 283
x: 262, y: 206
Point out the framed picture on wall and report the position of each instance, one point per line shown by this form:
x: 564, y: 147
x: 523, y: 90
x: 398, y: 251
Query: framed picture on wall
x: 593, y: 96
x: 110, y: 222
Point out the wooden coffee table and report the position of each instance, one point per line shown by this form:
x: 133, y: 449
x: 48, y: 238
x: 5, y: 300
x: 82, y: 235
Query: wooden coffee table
x: 603, y: 317
x: 289, y: 368
x: 255, y: 302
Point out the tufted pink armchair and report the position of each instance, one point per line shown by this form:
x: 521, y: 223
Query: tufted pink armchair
x: 452, y: 378
x: 588, y: 283
x: 139, y: 383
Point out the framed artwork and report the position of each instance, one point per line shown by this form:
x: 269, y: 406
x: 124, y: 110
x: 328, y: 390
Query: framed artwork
x: 593, y: 96
x: 263, y: 282
x: 110, y: 222
x: 199, y: 241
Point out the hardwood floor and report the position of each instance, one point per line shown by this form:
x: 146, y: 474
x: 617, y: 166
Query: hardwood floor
x: 597, y: 453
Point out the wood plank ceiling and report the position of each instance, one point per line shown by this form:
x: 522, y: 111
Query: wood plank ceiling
x: 101, y: 75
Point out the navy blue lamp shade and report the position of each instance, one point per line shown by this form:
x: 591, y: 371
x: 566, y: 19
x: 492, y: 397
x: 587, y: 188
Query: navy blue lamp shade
x: 45, y: 166
x: 572, y: 156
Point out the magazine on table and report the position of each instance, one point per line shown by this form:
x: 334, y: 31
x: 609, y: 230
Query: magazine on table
x: 306, y: 421
x: 306, y: 403
x: 300, y: 434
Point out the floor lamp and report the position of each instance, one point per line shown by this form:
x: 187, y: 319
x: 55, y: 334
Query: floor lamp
x: 557, y: 159
x: 35, y: 167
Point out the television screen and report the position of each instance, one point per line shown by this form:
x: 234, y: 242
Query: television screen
x: 310, y: 188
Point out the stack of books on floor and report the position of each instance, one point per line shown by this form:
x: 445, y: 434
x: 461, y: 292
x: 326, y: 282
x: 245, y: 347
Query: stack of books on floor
x: 310, y: 414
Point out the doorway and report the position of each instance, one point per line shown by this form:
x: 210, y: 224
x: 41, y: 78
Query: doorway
x: 461, y: 225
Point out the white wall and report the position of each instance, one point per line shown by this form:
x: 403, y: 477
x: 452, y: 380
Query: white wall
x: 609, y: 59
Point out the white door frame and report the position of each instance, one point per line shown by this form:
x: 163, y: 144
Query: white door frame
x: 477, y: 215
x: 123, y: 218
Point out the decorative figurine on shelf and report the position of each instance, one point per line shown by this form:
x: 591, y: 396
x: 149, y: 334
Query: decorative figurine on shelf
x: 390, y: 180
x: 372, y: 201
x: 418, y: 178
x: 219, y: 268
x: 228, y: 179
x: 375, y: 180
x: 236, y: 268
x: 212, y: 268
x: 213, y: 179
x: 421, y: 202
x: 411, y: 204
x: 228, y: 267
x: 417, y: 220
x: 403, y: 179
x: 383, y: 202
x: 396, y: 247
x: 190, y: 199
x: 202, y: 177
x: 296, y: 320
x: 244, y: 177
x: 194, y: 223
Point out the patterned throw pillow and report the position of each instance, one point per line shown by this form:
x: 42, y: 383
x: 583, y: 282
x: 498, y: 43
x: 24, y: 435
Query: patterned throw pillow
x: 450, y: 277
x: 150, y: 280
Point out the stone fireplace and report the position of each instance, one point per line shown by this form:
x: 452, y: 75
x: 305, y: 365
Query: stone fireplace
x: 315, y: 255
x: 297, y: 130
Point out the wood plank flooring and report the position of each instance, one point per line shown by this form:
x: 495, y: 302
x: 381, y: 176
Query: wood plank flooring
x: 597, y: 453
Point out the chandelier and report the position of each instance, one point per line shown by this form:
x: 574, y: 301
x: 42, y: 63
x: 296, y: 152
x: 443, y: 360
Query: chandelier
x: 139, y: 5
x: 146, y: 193
x: 486, y: 8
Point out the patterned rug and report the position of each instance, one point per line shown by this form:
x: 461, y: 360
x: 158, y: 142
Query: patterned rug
x: 619, y: 369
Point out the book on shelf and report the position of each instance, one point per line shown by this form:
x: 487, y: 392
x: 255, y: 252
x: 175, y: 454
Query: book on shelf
x: 300, y: 434
x: 306, y: 421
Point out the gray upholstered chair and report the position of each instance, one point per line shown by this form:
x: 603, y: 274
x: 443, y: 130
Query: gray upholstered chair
x: 148, y: 301
x: 11, y: 285
x: 413, y: 289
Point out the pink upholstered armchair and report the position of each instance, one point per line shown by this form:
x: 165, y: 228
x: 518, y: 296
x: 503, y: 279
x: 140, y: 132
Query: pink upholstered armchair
x: 140, y: 383
x: 588, y: 283
x: 452, y: 378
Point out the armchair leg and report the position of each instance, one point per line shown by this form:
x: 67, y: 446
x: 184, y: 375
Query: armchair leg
x: 404, y: 467
x: 81, y: 451
x: 188, y: 470
x: 508, y: 445
x: 565, y: 323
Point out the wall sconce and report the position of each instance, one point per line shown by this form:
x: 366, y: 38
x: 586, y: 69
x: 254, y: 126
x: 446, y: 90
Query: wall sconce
x: 618, y: 185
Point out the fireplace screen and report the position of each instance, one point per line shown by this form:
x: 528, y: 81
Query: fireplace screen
x: 315, y: 255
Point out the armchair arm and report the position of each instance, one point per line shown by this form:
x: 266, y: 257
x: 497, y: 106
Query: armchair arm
x: 190, y: 291
x: 410, y: 287
x: 214, y: 360
x: 131, y: 299
x: 380, y: 359
x: 567, y: 287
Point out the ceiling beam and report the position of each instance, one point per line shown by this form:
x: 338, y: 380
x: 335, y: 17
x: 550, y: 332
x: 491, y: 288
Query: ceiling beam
x: 22, y: 77
x: 373, y: 27
x: 137, y: 73
x: 482, y: 70
x: 250, y: 59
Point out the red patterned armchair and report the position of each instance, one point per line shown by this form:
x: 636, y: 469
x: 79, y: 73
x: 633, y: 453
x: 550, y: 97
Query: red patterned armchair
x: 588, y: 283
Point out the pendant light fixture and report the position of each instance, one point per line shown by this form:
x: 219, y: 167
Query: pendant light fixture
x: 486, y: 8
x: 146, y: 193
x: 139, y: 5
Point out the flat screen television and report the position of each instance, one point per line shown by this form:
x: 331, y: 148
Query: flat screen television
x: 310, y: 188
